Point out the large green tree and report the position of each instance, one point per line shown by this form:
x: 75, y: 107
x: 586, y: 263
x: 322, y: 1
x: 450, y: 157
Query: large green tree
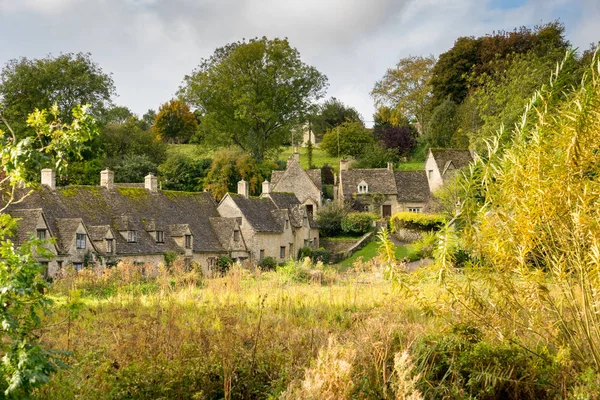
x: 348, y: 139
x: 406, y: 88
x: 66, y: 80
x: 252, y: 93
x: 330, y: 114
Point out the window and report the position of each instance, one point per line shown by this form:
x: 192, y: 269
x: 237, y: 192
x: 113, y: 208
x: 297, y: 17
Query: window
x: 44, y: 268
x: 41, y: 234
x: 59, y: 264
x: 366, y: 208
x: 211, y: 263
x: 132, y: 236
x: 188, y: 241
x: 109, y: 246
x: 414, y: 209
x: 429, y: 174
x: 363, y: 187
x: 236, y: 236
x: 309, y: 209
x: 80, y: 241
x: 78, y: 266
x: 261, y: 255
x: 282, y: 252
x: 160, y: 237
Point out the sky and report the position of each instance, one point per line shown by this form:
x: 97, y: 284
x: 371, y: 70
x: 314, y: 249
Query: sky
x: 150, y: 45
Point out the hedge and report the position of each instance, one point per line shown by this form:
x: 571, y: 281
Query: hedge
x: 417, y: 221
x: 358, y: 223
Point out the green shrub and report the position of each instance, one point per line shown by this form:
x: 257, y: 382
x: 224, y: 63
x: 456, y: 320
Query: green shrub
x: 267, y: 264
x: 417, y: 221
x: 329, y: 218
x: 423, y: 248
x: 322, y: 255
x: 223, y: 264
x: 170, y: 257
x: 358, y: 223
x: 304, y: 252
x: 296, y: 271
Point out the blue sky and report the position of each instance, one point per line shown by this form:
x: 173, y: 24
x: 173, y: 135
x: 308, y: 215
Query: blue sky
x: 150, y: 45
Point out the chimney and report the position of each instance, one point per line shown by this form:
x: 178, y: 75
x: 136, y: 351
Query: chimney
x: 107, y: 179
x: 243, y: 188
x: 390, y: 166
x: 151, y: 183
x: 266, y: 187
x: 344, y: 164
x: 49, y: 178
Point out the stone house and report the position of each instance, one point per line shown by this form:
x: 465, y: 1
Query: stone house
x: 274, y: 225
x: 306, y: 185
x: 107, y: 224
x: 382, y: 190
x: 442, y: 165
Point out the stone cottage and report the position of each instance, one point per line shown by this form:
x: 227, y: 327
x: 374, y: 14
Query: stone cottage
x: 442, y: 165
x: 306, y: 185
x: 107, y: 224
x: 382, y: 190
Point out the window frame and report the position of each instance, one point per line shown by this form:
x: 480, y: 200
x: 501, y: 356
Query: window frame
x: 282, y: 252
x: 110, y: 246
x: 131, y: 236
x: 416, y: 210
x: 80, y: 242
x: 188, y: 241
x: 41, y: 233
x: 236, y: 235
x: 160, y: 236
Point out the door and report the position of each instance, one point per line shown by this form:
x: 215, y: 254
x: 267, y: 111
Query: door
x: 386, y: 210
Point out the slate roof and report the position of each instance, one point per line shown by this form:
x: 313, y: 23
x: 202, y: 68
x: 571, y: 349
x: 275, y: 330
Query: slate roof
x: 27, y: 224
x: 445, y: 159
x: 379, y: 180
x: 276, y: 177
x: 284, y: 200
x: 65, y: 232
x: 258, y: 213
x: 313, y: 174
x: 97, y: 232
x: 127, y: 209
x: 412, y: 186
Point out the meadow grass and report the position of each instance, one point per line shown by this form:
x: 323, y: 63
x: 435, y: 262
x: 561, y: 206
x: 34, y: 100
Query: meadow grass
x: 370, y: 251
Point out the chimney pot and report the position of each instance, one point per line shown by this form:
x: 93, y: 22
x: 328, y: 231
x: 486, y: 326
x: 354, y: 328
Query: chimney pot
x: 344, y: 164
x: 266, y: 187
x: 49, y: 178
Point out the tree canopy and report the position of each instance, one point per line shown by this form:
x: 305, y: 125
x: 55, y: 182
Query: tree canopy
x: 330, y: 114
x: 348, y: 139
x: 251, y: 93
x: 67, y: 81
x: 174, y: 122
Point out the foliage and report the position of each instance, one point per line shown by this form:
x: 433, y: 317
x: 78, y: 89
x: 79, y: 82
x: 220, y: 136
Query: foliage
x: 320, y: 255
x: 184, y: 173
x: 442, y: 125
x: 134, y: 168
x: 251, y: 94
x: 347, y: 139
x: 417, y: 221
x: 376, y: 156
x: 128, y: 138
x: 309, y: 154
x: 229, y: 167
x: 331, y: 114
x: 170, y: 257
x: 425, y: 247
x: 304, y: 252
x: 402, y: 138
x: 267, y: 264
x: 406, y: 87
x: 224, y: 264
x: 175, y: 122
x: 358, y: 223
x: 327, y: 174
x: 330, y: 216
x: 476, y: 56
x: 25, y: 362
x: 65, y: 81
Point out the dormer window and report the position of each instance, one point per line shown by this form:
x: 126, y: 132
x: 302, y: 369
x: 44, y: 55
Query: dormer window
x: 80, y: 241
x: 41, y: 234
x: 363, y: 187
x: 236, y: 236
x: 132, y: 236
x: 109, y: 246
x: 188, y: 241
x: 160, y: 237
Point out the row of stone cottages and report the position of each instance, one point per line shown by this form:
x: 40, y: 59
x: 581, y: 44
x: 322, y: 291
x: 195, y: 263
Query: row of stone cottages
x: 140, y: 222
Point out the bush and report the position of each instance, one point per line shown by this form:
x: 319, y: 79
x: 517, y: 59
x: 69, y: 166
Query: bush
x: 358, y: 223
x: 329, y: 218
x: 267, y: 264
x: 424, y: 247
x: 223, y: 264
x: 304, y: 252
x: 322, y: 255
x: 416, y: 221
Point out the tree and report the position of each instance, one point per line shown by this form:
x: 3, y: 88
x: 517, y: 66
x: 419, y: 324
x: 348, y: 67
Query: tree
x: 175, y: 122
x: 401, y: 138
x: 25, y: 362
x: 118, y: 114
x: 474, y: 56
x: 119, y: 140
x: 348, y: 139
x: 251, y: 94
x: 406, y: 87
x: 134, y: 167
x: 330, y: 114
x: 184, y: 173
x: 442, y: 125
x: 66, y: 80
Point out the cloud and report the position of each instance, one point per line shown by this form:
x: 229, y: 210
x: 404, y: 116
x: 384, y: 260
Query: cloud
x: 149, y: 45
